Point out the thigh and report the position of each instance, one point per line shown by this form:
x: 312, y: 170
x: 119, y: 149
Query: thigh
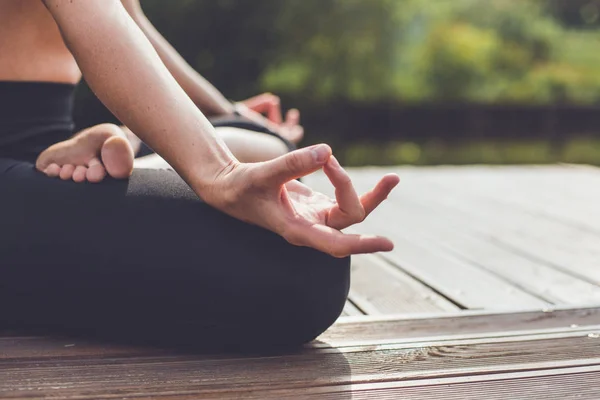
x: 246, y: 145
x: 251, y: 146
x: 151, y: 161
x: 145, y: 258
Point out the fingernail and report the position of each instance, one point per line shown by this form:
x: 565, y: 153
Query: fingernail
x: 320, y: 153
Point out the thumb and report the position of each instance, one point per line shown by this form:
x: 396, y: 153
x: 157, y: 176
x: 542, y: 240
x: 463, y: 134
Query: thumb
x: 295, y: 164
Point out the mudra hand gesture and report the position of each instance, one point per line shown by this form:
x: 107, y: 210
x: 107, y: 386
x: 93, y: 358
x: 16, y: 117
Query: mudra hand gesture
x: 267, y: 194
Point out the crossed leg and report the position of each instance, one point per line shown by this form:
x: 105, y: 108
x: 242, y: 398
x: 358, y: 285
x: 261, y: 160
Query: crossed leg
x: 109, y: 149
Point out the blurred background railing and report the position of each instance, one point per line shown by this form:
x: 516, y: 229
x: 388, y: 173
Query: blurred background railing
x: 410, y: 81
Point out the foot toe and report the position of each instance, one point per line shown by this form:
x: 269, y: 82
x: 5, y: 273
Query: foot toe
x: 66, y: 172
x: 79, y: 174
x: 52, y: 170
x: 117, y: 157
x: 95, y: 172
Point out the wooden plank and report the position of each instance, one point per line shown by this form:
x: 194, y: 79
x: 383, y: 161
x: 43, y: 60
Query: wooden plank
x: 349, y: 331
x: 558, y: 193
x: 581, y: 383
x: 478, y: 236
x: 380, y: 288
x: 129, y: 377
x: 351, y: 310
x: 450, y: 231
x: 520, y: 222
x: 466, y: 284
x: 56, y: 348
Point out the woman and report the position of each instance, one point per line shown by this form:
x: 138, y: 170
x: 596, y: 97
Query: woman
x: 259, y: 260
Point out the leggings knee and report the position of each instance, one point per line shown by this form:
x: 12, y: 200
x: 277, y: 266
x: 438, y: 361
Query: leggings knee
x: 306, y: 309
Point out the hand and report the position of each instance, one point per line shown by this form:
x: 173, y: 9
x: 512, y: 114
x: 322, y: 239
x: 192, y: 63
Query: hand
x: 266, y: 194
x: 270, y: 105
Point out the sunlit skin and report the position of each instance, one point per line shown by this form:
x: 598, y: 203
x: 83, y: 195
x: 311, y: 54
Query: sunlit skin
x: 58, y: 40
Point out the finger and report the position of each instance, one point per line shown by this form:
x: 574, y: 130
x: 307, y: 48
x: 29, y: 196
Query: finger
x: 292, y: 117
x: 52, y: 170
x: 274, y: 111
x: 260, y: 103
x: 349, y: 209
x: 79, y: 174
x: 66, y: 172
x: 338, y: 244
x: 372, y: 199
x: 293, y: 165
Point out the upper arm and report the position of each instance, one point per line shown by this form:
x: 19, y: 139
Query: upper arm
x: 80, y: 20
x: 80, y: 10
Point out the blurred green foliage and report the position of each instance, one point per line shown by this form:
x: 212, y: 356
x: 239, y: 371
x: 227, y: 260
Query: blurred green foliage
x: 415, y: 51
x: 492, y: 51
x: 315, y: 53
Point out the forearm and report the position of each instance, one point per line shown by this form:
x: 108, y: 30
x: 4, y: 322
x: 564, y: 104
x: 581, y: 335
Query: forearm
x: 122, y: 68
x: 210, y: 100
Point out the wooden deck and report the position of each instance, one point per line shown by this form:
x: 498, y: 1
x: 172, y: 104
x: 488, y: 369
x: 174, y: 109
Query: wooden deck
x: 482, y: 238
x: 443, y: 316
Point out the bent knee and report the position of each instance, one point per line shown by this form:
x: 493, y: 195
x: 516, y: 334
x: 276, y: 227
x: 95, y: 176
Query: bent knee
x: 312, y: 306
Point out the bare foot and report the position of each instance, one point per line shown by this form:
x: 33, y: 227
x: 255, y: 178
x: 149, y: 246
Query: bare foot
x: 89, y: 156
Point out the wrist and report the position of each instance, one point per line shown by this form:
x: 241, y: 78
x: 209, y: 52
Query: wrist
x: 204, y: 178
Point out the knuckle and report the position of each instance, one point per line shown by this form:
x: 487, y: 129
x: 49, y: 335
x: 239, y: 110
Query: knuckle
x: 338, y: 253
x: 355, y: 215
x: 337, y: 250
x: 294, y: 162
x: 360, y: 215
x: 345, y: 180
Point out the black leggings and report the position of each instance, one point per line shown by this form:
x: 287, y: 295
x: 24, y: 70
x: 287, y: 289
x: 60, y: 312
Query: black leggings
x: 146, y: 260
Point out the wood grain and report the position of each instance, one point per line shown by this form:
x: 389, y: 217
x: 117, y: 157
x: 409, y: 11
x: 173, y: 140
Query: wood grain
x: 349, y: 331
x: 380, y: 288
x: 351, y: 310
x: 556, y: 384
x: 145, y: 376
x: 514, y: 215
x: 490, y: 218
x: 464, y: 283
x: 460, y: 234
x: 381, y: 329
